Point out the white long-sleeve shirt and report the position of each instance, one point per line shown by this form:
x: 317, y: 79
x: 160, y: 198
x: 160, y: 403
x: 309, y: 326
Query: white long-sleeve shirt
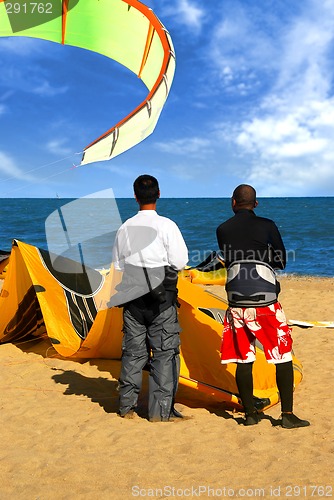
x: 149, y: 240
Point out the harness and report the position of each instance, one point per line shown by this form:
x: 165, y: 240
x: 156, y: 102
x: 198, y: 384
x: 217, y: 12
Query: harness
x: 146, y: 292
x: 251, y: 283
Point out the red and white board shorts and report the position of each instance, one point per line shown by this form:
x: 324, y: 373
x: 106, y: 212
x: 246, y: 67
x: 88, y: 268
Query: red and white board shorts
x: 242, y: 326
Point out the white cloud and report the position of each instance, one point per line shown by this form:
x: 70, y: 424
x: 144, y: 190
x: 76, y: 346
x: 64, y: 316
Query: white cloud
x: 293, y: 179
x: 292, y: 151
x: 27, y: 79
x: 192, y: 15
x: 20, y: 46
x: 186, y: 12
x: 304, y: 62
x: 287, y: 139
x: 11, y: 171
x: 58, y: 147
x: 240, y: 49
x: 182, y: 171
x: 18, y: 69
x: 283, y: 136
x: 44, y: 88
x: 191, y: 146
x: 119, y: 171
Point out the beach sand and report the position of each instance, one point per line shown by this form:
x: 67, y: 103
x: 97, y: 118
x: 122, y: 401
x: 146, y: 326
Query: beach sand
x: 61, y: 437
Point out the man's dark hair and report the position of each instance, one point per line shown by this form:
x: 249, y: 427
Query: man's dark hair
x: 146, y: 189
x: 244, y: 195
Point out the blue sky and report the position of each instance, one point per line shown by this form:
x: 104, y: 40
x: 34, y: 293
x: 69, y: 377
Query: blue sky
x: 252, y: 102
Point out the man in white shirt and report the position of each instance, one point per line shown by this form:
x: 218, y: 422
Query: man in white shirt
x: 149, y: 249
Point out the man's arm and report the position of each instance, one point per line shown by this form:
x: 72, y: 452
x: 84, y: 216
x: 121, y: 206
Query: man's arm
x: 176, y: 249
x: 277, y: 249
x: 223, y: 246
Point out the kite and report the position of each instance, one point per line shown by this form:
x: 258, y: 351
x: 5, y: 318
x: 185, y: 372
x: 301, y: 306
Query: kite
x: 126, y: 31
x: 39, y: 301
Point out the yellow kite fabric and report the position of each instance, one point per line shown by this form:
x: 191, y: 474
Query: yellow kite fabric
x: 37, y: 300
x: 126, y: 31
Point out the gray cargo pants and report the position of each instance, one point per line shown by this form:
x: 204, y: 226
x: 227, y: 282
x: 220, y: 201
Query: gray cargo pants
x: 160, y: 340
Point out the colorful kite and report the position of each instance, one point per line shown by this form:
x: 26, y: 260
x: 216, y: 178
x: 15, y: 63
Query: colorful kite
x: 39, y: 301
x: 124, y: 30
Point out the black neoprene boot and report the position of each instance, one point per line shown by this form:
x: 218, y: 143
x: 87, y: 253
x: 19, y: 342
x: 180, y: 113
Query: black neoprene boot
x: 291, y: 421
x: 252, y: 418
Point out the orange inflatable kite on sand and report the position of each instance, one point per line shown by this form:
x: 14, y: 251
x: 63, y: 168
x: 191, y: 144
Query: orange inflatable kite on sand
x: 38, y: 300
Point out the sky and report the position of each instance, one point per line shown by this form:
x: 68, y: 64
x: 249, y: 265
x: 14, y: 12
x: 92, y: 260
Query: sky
x: 252, y: 102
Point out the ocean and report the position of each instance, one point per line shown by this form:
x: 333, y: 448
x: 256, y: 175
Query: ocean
x: 306, y: 226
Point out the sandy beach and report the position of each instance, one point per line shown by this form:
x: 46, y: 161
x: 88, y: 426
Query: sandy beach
x: 62, y: 438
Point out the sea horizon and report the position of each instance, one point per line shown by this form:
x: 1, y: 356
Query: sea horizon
x: 305, y: 223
